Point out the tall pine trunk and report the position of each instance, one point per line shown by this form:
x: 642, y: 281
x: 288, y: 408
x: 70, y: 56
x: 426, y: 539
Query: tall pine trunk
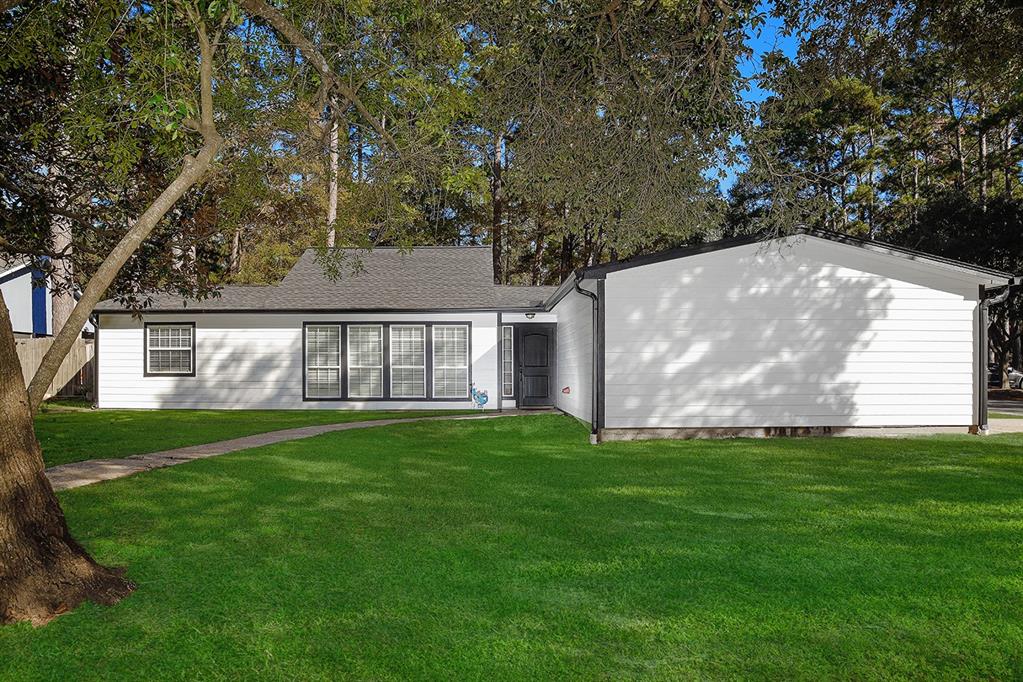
x: 567, y: 257
x: 541, y: 236
x: 982, y: 161
x: 960, y: 156
x: 332, y: 174
x: 1007, y: 166
x: 63, y: 299
x: 497, y: 215
x: 43, y: 571
x: 236, y: 251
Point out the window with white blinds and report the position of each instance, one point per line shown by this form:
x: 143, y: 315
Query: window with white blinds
x: 507, y: 362
x: 365, y: 361
x: 170, y: 349
x: 450, y: 361
x: 408, y: 361
x: 323, y: 361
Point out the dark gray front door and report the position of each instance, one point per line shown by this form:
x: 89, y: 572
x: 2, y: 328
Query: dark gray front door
x: 537, y: 353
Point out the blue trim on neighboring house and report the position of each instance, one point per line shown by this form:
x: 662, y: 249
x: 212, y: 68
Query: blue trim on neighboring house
x: 38, y: 303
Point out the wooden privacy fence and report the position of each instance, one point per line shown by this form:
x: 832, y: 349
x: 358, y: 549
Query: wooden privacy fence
x: 76, y: 373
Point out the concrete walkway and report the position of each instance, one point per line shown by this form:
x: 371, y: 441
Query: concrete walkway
x: 77, y: 474
x: 994, y: 426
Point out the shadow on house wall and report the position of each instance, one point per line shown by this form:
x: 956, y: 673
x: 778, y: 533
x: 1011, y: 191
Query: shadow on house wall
x: 777, y: 337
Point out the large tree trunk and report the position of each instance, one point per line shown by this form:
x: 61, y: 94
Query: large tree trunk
x: 43, y: 571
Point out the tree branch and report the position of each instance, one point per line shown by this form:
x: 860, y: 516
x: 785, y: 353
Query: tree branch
x: 291, y: 33
x: 193, y: 170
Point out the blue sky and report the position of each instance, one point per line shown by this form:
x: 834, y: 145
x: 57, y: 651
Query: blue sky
x: 767, y: 38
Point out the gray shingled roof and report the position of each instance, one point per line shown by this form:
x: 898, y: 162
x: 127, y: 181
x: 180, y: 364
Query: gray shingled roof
x: 231, y: 297
x: 428, y: 277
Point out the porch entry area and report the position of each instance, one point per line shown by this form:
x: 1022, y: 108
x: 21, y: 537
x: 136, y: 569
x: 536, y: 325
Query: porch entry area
x: 530, y: 378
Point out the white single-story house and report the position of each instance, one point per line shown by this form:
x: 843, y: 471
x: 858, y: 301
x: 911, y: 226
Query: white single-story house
x: 807, y: 333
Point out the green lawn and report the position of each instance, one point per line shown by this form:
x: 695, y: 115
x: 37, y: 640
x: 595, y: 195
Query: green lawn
x: 511, y: 549
x: 1004, y: 415
x: 72, y: 435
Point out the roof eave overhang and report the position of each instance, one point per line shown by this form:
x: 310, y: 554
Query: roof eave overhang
x: 975, y: 274
x: 956, y: 269
x: 15, y: 271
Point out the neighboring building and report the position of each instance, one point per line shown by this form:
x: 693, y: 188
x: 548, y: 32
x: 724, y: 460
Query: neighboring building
x: 809, y: 332
x: 30, y: 306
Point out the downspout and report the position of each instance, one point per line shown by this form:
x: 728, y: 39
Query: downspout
x: 95, y: 361
x: 985, y: 303
x: 594, y: 430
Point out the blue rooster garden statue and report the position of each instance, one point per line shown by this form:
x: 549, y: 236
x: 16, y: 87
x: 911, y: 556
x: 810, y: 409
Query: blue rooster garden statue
x: 479, y: 398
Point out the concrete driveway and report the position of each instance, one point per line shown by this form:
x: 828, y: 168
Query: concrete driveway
x: 1006, y: 406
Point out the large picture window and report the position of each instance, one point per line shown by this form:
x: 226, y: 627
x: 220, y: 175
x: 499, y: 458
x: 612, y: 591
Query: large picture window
x: 450, y: 361
x: 170, y: 349
x: 507, y: 362
x: 323, y: 361
x: 365, y: 361
x: 400, y: 360
x: 408, y: 361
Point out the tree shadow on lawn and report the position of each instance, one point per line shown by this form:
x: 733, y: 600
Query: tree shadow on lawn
x: 512, y: 548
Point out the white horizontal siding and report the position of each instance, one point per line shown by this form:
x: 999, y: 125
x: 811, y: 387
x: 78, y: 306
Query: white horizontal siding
x: 514, y: 318
x: 805, y: 334
x: 255, y: 361
x: 575, y: 355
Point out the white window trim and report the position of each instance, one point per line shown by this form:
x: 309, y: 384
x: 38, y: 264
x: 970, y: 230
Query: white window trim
x: 348, y: 377
x: 393, y: 366
x: 190, y: 348
x: 435, y: 366
x: 511, y: 349
x: 305, y: 379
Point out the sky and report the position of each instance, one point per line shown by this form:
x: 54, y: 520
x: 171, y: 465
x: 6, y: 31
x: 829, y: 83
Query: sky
x: 767, y: 38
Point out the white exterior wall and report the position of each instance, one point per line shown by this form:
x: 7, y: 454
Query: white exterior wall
x: 254, y: 360
x: 17, y: 294
x: 575, y: 354
x: 802, y: 333
x: 519, y: 318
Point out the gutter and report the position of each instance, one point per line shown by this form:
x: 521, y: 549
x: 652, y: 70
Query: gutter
x: 597, y: 355
x: 982, y: 345
x: 315, y: 311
